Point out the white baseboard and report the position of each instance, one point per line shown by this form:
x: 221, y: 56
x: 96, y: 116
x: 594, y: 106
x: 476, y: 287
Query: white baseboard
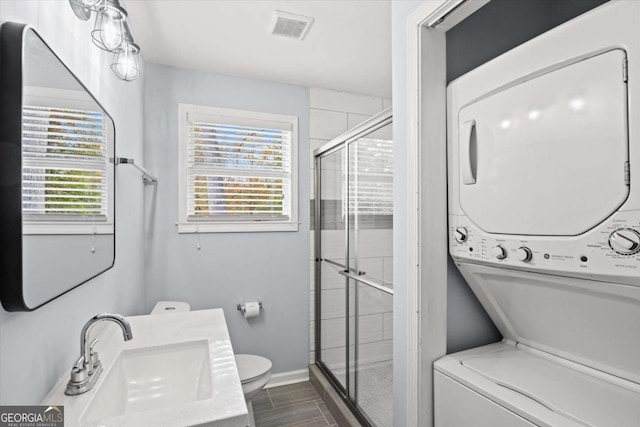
x: 286, y: 378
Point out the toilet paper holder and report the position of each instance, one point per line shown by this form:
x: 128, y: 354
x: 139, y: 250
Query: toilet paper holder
x: 242, y: 308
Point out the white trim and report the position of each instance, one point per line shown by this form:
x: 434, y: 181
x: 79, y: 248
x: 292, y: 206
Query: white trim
x: 426, y: 313
x: 66, y: 227
x: 227, y: 226
x: 234, y: 227
x: 43, y: 96
x: 451, y: 12
x: 287, y: 378
x: 235, y: 113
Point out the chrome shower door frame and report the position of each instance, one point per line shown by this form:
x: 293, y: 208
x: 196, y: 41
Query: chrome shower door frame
x: 351, y: 273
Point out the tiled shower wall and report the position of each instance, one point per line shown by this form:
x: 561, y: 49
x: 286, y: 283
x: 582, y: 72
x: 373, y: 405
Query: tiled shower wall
x: 331, y: 114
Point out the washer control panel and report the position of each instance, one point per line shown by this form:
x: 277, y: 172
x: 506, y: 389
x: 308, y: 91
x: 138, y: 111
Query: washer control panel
x: 610, y: 251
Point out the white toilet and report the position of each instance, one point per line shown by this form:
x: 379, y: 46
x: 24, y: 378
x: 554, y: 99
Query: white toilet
x: 254, y: 371
x: 168, y: 307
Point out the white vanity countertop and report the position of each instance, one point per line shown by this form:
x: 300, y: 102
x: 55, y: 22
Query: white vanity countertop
x: 226, y: 407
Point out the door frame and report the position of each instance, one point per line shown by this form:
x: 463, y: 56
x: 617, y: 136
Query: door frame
x: 427, y: 247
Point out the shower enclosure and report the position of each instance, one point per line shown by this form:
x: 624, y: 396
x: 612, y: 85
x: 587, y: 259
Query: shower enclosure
x: 353, y: 229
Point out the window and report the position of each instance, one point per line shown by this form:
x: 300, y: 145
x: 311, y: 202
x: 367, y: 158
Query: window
x: 371, y: 183
x: 238, y: 170
x: 65, y: 174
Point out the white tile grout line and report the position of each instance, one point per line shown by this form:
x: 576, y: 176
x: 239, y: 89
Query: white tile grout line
x: 321, y: 411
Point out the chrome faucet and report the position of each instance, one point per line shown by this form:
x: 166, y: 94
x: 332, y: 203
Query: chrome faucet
x: 87, y: 369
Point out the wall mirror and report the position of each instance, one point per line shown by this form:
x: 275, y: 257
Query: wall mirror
x: 57, y: 182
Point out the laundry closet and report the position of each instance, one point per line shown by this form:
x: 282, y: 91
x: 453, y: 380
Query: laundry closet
x: 544, y: 214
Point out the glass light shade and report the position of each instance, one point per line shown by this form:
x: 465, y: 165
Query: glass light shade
x: 90, y: 4
x: 108, y: 33
x: 126, y: 62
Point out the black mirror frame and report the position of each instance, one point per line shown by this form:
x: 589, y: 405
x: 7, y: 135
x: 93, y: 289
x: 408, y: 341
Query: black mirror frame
x: 11, y: 66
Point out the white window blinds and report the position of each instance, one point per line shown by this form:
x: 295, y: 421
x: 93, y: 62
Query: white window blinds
x: 238, y: 169
x: 64, y: 169
x: 371, y: 178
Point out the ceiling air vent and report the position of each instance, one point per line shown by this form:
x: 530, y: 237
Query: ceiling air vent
x: 290, y: 25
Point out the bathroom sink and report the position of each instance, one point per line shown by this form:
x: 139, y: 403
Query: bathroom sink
x: 178, y: 370
x: 153, y: 378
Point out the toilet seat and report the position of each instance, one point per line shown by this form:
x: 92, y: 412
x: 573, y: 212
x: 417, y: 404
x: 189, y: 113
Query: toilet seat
x: 252, y: 367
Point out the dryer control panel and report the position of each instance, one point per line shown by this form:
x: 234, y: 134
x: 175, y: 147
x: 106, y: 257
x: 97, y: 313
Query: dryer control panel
x: 609, y: 252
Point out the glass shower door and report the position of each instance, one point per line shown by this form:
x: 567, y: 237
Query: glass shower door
x: 331, y: 342
x: 354, y: 257
x: 371, y: 254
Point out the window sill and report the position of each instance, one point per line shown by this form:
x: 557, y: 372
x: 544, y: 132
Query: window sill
x: 235, y: 227
x: 46, y: 228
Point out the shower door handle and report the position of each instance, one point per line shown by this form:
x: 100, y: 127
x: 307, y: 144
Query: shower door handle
x: 464, y: 138
x: 367, y: 282
x: 344, y: 267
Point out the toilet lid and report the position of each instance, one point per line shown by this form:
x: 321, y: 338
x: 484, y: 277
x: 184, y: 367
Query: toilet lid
x: 251, y: 366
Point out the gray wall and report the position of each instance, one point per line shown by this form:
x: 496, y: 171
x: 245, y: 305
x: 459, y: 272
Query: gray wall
x: 502, y: 25
x: 468, y: 324
x: 53, y: 264
x: 37, y: 348
x: 230, y: 267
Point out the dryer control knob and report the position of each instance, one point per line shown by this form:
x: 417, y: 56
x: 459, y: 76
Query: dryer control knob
x: 499, y: 252
x: 461, y: 234
x: 625, y: 241
x: 524, y: 254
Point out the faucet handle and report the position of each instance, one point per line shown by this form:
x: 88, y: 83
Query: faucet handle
x: 94, y: 361
x: 78, y: 372
x: 79, y: 363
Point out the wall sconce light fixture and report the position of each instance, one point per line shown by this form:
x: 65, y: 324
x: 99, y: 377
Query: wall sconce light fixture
x: 112, y: 33
x: 125, y: 61
x: 108, y: 32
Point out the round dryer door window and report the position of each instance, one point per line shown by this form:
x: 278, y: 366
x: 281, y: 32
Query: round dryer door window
x: 547, y: 156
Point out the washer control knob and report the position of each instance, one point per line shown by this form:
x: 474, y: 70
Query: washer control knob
x: 524, y: 254
x: 461, y: 234
x: 625, y: 241
x: 499, y: 252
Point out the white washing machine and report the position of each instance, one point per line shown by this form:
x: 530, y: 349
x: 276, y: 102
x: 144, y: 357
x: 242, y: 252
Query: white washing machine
x: 544, y: 217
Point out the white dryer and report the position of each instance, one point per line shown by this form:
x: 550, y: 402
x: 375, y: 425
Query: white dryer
x: 544, y: 217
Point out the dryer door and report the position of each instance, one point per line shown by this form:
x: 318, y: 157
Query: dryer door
x: 547, y: 156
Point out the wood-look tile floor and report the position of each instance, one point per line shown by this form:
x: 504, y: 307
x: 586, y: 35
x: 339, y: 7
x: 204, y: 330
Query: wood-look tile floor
x: 296, y: 405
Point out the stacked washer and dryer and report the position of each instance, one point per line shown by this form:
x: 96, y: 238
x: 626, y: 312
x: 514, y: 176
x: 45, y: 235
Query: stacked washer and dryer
x: 544, y: 224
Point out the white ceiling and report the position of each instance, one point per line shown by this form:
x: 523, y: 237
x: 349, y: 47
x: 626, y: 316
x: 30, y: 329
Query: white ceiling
x: 348, y: 47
